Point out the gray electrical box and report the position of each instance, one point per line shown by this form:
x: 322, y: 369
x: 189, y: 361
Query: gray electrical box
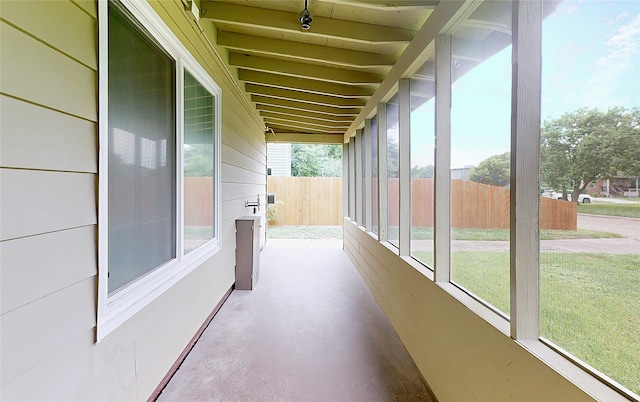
x: 247, y: 252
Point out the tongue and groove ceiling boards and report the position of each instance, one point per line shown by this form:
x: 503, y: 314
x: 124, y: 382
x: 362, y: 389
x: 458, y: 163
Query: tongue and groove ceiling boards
x: 328, y: 79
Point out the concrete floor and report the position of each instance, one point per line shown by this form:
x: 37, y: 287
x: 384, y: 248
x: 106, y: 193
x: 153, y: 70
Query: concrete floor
x: 309, y: 331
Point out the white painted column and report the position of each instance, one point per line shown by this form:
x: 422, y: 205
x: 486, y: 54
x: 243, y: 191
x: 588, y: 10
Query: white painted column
x: 404, y: 153
x: 382, y: 173
x: 358, y: 180
x: 442, y: 190
x: 525, y: 166
x: 345, y: 179
x: 368, y: 214
x: 352, y: 177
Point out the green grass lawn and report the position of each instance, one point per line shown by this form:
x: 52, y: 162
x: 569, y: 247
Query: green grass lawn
x: 611, y: 209
x: 422, y: 233
x: 589, y: 303
x: 304, y: 232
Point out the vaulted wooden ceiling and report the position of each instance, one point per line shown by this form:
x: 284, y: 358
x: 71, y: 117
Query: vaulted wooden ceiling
x: 318, y: 81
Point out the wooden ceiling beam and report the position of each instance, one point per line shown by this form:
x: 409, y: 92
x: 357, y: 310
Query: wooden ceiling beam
x: 305, y: 97
x: 304, y: 85
x: 288, y: 22
x: 305, y: 114
x: 387, y: 5
x: 274, y: 118
x: 303, y: 70
x: 289, y: 104
x: 303, y: 51
x: 302, y: 127
x: 304, y: 138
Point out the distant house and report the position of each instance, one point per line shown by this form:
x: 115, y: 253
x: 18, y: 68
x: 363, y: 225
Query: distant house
x: 619, y: 186
x: 279, y: 159
x: 461, y: 173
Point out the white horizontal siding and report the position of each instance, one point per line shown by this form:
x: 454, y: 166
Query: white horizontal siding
x: 35, y: 137
x: 33, y: 71
x: 35, y: 202
x: 39, y: 266
x: 42, y: 19
x: 41, y: 328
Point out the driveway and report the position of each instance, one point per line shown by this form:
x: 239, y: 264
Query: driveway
x: 628, y: 227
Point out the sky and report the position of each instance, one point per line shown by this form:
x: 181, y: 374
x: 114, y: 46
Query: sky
x: 591, y: 58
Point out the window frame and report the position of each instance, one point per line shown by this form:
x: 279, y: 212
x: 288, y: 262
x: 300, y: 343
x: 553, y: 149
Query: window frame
x: 116, y: 308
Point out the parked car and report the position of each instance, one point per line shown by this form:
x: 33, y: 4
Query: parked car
x: 582, y: 198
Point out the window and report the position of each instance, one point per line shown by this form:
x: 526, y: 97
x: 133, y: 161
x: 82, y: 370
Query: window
x: 590, y: 288
x: 142, y: 159
x: 363, y: 175
x: 393, y: 165
x: 422, y: 162
x: 480, y: 162
x: 159, y: 162
x: 199, y: 163
x: 374, y: 174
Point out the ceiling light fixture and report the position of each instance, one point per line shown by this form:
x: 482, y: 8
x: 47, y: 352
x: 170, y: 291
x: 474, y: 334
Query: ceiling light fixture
x: 305, y: 17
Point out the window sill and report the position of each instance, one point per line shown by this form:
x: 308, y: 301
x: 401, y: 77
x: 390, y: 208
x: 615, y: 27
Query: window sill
x: 128, y: 301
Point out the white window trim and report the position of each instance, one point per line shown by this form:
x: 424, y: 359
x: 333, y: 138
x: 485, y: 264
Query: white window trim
x: 115, y: 309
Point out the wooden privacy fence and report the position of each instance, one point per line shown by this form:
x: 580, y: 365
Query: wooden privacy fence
x: 318, y: 201
x: 307, y: 200
x: 477, y: 206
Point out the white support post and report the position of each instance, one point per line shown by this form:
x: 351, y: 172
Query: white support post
x: 442, y: 190
x: 358, y: 181
x: 382, y: 174
x: 345, y: 179
x: 368, y: 213
x: 404, y: 153
x: 525, y: 156
x: 352, y: 177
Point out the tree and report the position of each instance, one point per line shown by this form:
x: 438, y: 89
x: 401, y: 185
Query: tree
x: 494, y: 170
x: 422, y: 171
x: 312, y: 160
x: 198, y: 160
x: 581, y: 146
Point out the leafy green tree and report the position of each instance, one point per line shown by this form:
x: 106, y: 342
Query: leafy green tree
x: 393, y: 159
x: 581, y: 146
x: 198, y: 160
x: 494, y: 170
x: 422, y: 171
x: 312, y: 160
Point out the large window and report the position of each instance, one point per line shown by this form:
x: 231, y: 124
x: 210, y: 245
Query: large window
x: 393, y: 170
x: 374, y: 174
x: 590, y: 286
x: 142, y: 158
x: 422, y: 162
x: 480, y: 161
x: 159, y: 136
x: 199, y: 163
